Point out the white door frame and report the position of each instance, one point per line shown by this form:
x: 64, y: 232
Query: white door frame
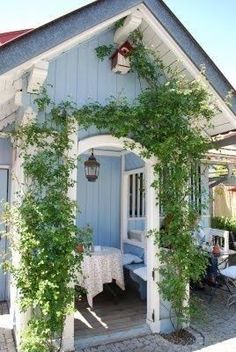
x: 152, y: 219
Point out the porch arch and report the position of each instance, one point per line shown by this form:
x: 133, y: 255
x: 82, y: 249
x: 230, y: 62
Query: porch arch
x: 107, y: 140
x: 152, y: 219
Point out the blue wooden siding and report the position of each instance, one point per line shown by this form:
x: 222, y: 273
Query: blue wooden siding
x: 99, y: 201
x: 133, y: 161
x: 5, y: 151
x: 79, y: 75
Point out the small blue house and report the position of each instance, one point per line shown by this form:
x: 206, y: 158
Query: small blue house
x: 120, y: 206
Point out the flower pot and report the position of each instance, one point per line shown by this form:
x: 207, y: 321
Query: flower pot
x: 79, y: 248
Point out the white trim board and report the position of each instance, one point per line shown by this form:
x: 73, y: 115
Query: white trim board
x: 135, y: 171
x: 104, y: 153
x: 68, y: 44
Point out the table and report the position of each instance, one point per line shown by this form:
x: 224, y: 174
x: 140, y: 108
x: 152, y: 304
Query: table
x: 101, y: 267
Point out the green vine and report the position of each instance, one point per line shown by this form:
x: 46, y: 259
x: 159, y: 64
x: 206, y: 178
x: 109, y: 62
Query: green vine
x: 167, y: 120
x: 119, y: 23
x: 43, y: 219
x: 103, y: 51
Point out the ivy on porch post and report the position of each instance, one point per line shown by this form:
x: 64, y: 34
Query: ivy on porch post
x: 152, y: 222
x: 19, y: 319
x: 68, y: 333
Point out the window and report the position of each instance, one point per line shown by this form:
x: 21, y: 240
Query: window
x: 136, y: 195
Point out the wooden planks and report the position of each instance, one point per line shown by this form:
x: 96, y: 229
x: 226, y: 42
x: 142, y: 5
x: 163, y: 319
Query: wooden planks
x: 106, y: 318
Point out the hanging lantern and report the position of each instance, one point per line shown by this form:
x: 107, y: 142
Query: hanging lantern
x: 91, y: 168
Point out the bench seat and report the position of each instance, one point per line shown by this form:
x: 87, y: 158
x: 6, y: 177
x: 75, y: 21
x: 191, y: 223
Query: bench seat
x: 130, y: 268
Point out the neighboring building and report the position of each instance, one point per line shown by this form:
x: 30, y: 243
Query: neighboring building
x: 8, y: 36
x: 62, y: 54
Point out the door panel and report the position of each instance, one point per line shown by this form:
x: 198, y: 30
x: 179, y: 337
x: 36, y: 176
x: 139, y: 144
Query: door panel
x: 3, y: 241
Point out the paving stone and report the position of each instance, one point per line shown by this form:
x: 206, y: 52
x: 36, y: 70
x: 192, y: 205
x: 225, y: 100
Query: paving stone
x: 217, y: 327
x: 6, y: 338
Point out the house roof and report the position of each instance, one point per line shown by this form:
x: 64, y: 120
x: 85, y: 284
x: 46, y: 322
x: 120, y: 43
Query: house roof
x: 8, y: 36
x: 15, y: 52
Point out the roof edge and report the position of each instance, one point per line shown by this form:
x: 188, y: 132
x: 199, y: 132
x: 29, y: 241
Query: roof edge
x: 52, y: 34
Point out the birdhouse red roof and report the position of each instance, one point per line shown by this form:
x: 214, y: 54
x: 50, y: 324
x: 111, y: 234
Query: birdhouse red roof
x: 124, y: 49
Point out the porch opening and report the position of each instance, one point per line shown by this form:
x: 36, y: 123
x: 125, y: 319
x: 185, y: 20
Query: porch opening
x: 114, y: 207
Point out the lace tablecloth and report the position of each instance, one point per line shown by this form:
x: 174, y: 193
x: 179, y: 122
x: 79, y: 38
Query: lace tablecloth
x: 100, y: 267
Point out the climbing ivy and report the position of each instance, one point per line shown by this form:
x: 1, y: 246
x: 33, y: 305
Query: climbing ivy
x: 43, y: 219
x: 168, y: 120
x: 103, y: 51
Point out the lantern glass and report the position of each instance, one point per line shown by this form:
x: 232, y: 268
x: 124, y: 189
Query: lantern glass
x: 91, y: 168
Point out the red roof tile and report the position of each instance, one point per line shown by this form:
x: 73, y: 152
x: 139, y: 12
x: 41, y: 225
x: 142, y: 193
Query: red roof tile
x: 8, y: 36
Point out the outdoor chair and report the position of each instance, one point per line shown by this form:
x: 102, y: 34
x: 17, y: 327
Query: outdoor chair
x: 228, y: 275
x: 232, y: 240
x: 225, y: 281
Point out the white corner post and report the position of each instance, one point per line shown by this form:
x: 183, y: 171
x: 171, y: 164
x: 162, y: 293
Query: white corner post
x: 205, y: 194
x: 19, y: 319
x: 124, y: 202
x: 68, y: 332
x: 152, y: 222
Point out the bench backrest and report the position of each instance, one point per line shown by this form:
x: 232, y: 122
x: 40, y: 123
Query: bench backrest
x: 132, y: 249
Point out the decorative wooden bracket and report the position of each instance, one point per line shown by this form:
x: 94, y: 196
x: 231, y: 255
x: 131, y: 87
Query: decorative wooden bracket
x: 37, y: 77
x: 130, y: 24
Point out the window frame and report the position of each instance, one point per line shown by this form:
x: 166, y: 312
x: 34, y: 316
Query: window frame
x: 126, y: 175
x: 138, y: 200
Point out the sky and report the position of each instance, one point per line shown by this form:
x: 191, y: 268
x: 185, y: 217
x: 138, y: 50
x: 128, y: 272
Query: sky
x: 211, y: 22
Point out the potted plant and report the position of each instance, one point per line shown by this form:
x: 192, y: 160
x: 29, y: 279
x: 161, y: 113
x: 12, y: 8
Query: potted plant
x: 84, y: 239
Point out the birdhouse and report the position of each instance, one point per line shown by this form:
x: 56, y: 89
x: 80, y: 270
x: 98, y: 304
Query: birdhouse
x: 120, y: 59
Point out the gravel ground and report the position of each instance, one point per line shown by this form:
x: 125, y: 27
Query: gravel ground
x: 214, y: 332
